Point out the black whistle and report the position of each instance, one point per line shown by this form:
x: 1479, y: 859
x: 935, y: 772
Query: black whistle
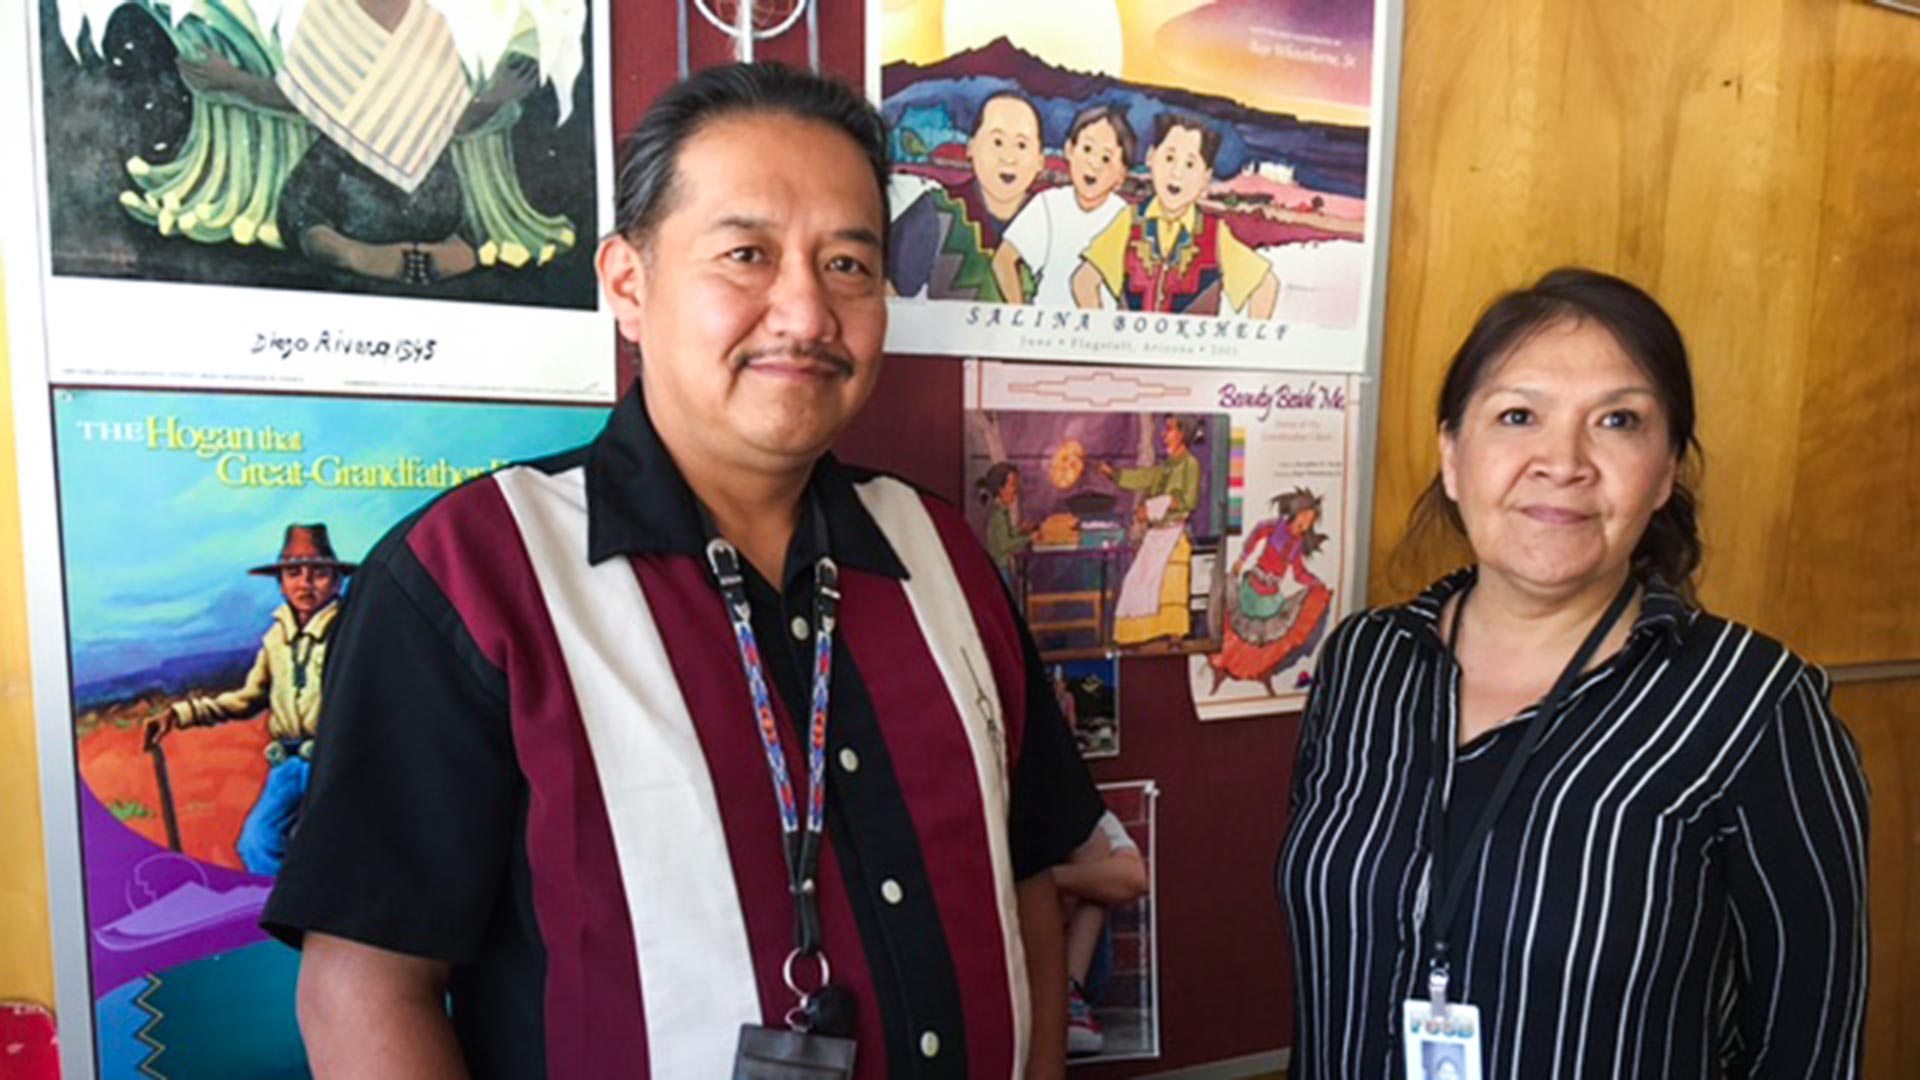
x: 828, y: 1011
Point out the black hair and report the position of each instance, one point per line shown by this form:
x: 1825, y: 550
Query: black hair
x: 1164, y: 124
x: 1006, y: 95
x: 1287, y: 504
x: 988, y: 486
x: 1192, y: 430
x: 1116, y: 118
x: 1669, y: 551
x: 646, y: 187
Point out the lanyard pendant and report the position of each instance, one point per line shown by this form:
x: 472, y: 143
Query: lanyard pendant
x: 1437, y: 990
x: 824, y: 1010
x: 827, y: 1011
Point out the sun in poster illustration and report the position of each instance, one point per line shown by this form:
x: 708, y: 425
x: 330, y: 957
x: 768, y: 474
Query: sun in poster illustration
x: 435, y: 148
x: 1277, y: 607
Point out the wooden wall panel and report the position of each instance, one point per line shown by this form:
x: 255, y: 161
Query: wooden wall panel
x: 26, y: 959
x: 1851, y: 588
x: 1885, y: 721
x: 1756, y: 165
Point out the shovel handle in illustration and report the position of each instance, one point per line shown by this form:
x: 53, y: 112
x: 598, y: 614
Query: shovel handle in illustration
x: 159, y: 753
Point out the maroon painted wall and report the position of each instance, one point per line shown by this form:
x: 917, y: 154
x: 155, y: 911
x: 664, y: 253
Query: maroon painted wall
x: 1225, y: 982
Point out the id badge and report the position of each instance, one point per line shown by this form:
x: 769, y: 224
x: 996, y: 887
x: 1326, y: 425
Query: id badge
x: 1440, y: 1048
x: 767, y: 1053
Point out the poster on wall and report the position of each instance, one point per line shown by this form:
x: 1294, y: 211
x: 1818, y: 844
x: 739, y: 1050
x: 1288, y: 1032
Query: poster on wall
x: 1291, y: 569
x: 210, y: 543
x: 1105, y: 519
x: 1088, y: 692
x: 1190, y: 183
x: 1264, y: 564
x: 1113, y: 955
x: 321, y: 195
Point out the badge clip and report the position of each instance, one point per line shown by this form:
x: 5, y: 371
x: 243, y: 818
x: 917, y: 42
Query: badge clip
x: 1437, y: 991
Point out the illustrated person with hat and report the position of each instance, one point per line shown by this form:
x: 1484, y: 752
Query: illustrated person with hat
x: 285, y: 679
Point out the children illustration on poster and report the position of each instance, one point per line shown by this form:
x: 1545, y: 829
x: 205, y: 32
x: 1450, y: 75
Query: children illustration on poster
x: 1186, y: 184
x: 1052, y: 229
x: 211, y: 544
x: 1173, y: 254
x: 944, y: 243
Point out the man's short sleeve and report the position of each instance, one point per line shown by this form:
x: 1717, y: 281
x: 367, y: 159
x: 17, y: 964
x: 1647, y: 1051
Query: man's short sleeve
x: 1055, y: 805
x: 1107, y: 252
x: 404, y: 839
x: 1029, y: 231
x: 913, y: 242
x: 1241, y: 267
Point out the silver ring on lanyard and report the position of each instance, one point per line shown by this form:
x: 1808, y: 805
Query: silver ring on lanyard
x: 796, y: 1014
x: 826, y: 971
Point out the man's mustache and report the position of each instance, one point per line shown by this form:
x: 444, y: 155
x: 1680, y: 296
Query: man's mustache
x: 839, y: 362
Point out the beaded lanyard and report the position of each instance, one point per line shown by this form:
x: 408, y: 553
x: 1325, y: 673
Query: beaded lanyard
x: 801, y: 845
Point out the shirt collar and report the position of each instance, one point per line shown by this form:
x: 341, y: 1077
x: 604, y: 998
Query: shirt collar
x: 1663, y: 613
x: 1183, y: 223
x: 316, y: 627
x: 638, y: 503
x: 975, y: 203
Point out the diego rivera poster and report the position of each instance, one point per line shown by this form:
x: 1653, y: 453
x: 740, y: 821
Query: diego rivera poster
x: 363, y: 196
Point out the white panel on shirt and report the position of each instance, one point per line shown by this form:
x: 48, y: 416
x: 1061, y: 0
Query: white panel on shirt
x: 696, y: 973
x: 945, y: 620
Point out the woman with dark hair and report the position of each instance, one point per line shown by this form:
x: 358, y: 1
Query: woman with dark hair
x: 1618, y: 835
x: 1006, y: 536
x: 1153, y: 595
x: 1268, y: 625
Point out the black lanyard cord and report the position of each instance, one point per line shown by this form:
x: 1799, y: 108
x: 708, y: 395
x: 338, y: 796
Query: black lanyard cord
x: 1442, y: 904
x: 820, y: 1007
x: 802, y: 823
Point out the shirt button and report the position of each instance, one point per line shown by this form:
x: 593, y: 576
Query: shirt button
x: 891, y: 892
x: 929, y: 1044
x: 849, y: 760
x: 799, y: 628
